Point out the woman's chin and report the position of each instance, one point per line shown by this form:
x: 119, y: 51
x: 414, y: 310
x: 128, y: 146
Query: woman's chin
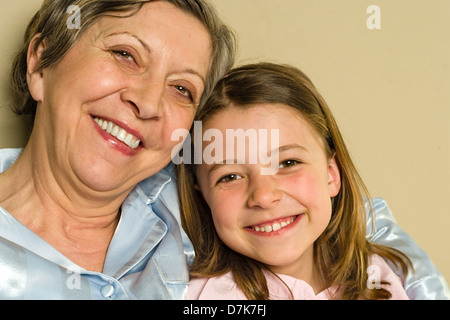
x: 103, y: 177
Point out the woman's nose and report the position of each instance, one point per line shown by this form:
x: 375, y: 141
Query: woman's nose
x: 264, y: 193
x: 146, y: 97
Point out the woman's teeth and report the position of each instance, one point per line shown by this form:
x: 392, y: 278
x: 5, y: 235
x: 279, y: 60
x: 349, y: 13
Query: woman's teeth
x: 118, y: 132
x: 274, y: 226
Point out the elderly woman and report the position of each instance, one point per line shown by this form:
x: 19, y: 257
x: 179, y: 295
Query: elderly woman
x: 78, y: 217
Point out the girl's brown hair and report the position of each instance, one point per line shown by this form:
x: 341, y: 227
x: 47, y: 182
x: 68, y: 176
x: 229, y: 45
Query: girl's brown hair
x: 50, y: 23
x: 342, y: 252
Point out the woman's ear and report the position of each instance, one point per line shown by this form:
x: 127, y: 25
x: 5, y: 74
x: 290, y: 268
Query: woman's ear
x: 35, y: 79
x: 334, y: 177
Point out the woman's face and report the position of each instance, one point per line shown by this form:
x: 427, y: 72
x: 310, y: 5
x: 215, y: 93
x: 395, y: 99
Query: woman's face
x: 107, y: 110
x: 273, y: 218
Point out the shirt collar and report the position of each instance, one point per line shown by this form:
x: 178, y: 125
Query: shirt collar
x: 150, y: 189
x: 8, y: 157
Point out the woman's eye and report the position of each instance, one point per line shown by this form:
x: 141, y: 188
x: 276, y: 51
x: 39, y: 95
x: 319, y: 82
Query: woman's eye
x: 288, y: 163
x: 185, y: 92
x: 230, y: 177
x: 124, y: 55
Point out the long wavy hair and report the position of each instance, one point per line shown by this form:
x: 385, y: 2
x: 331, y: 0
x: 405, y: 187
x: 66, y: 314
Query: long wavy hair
x: 342, y: 252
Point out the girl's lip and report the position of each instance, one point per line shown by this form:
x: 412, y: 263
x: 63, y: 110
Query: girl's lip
x: 274, y: 227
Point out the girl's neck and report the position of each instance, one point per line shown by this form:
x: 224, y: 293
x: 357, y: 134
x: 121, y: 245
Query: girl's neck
x: 304, y: 269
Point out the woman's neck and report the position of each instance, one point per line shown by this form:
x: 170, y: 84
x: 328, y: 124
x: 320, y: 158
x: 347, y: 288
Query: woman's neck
x: 78, y: 224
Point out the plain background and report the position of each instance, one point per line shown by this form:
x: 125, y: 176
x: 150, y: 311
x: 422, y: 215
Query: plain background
x: 389, y: 90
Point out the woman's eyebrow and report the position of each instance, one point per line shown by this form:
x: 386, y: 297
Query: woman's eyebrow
x: 142, y: 42
x: 192, y: 71
x: 147, y: 48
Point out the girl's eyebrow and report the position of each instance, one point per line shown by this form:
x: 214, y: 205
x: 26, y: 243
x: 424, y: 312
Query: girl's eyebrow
x: 289, y: 147
x: 281, y: 149
x: 217, y: 165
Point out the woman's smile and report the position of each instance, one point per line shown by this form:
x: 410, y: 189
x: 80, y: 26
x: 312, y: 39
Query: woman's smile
x: 117, y: 136
x: 120, y: 133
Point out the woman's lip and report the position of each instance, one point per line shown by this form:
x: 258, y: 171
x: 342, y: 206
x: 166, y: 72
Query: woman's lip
x: 116, y: 143
x: 123, y: 125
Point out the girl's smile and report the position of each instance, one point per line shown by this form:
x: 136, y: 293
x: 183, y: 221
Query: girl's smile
x: 275, y: 227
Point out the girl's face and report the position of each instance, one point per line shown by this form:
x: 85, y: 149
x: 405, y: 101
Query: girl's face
x: 276, y: 218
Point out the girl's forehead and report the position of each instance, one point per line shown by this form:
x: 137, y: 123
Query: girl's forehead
x: 263, y: 115
x: 289, y: 121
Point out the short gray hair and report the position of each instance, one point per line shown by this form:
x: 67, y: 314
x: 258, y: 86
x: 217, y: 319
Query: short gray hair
x: 51, y: 23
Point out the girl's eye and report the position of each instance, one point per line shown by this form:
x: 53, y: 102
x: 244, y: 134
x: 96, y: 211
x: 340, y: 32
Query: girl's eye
x: 185, y: 92
x: 230, y: 177
x: 289, y: 163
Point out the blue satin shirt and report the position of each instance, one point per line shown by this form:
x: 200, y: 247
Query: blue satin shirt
x: 147, y: 257
x: 149, y: 254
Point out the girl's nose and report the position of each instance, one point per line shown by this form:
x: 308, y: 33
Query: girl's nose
x: 264, y: 193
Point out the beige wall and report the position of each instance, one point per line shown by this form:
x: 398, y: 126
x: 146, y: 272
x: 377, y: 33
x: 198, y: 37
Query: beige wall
x: 389, y: 90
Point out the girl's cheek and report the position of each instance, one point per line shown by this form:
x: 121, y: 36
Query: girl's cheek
x: 224, y: 206
x: 305, y: 185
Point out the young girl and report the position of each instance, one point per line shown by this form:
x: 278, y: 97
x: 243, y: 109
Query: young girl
x: 299, y: 232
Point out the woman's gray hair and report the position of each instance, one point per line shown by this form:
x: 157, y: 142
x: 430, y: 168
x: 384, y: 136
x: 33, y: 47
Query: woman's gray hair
x: 51, y: 23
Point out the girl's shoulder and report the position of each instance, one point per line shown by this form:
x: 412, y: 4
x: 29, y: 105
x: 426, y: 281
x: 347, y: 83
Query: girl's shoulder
x: 224, y: 287
x: 380, y: 272
x: 285, y: 287
x: 215, y: 288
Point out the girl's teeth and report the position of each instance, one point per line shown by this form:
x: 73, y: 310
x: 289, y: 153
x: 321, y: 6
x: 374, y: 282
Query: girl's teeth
x: 273, y: 227
x: 119, y: 133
